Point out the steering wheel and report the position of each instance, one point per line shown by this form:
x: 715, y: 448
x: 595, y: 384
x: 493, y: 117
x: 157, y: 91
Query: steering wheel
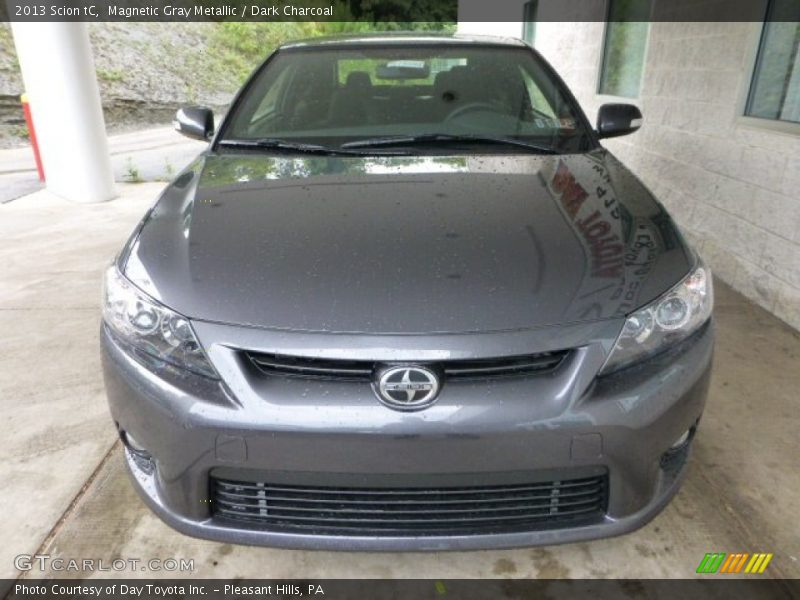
x: 468, y: 108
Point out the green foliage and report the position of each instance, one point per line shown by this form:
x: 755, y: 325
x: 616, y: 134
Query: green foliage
x: 19, y: 131
x: 8, y: 54
x: 132, y: 174
x: 403, y: 12
x: 110, y: 75
x: 6, y: 40
x: 169, y: 169
x: 239, y: 46
x: 236, y: 48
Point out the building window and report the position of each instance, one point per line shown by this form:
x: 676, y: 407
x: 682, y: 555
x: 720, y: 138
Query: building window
x: 775, y: 87
x: 624, y: 47
x: 529, y: 21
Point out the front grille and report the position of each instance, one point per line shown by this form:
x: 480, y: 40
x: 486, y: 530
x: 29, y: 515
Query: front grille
x: 411, y: 511
x: 361, y: 370
x: 279, y: 364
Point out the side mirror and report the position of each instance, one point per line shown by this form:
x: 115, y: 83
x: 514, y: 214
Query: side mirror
x: 618, y: 119
x: 196, y: 122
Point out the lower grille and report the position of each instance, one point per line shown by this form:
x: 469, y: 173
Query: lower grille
x: 411, y: 511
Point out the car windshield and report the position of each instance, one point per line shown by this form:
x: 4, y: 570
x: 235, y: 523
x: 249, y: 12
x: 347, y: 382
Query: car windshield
x: 373, y: 97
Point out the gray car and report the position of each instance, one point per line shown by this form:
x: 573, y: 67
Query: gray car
x: 406, y: 300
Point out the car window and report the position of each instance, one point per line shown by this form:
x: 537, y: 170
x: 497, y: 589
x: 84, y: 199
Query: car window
x: 380, y: 71
x: 334, y: 95
x: 269, y: 104
x: 537, y: 98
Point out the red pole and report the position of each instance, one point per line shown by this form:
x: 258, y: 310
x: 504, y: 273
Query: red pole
x: 26, y: 108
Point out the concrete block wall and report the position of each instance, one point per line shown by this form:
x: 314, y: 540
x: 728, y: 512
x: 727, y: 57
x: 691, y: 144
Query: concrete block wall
x: 731, y: 183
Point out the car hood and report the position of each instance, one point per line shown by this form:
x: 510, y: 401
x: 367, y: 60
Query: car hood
x: 406, y: 244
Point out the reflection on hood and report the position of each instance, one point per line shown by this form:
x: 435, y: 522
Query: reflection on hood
x: 407, y: 244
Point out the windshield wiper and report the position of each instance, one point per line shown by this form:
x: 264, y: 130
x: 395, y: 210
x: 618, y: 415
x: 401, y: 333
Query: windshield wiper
x: 428, y: 138
x: 287, y: 146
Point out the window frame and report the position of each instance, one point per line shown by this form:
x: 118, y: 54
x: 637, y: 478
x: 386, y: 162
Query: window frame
x: 529, y: 9
x: 280, y: 99
x: 755, y: 36
x: 601, y: 61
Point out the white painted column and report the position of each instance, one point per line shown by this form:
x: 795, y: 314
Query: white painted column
x: 59, y: 76
x: 498, y: 28
x: 506, y: 17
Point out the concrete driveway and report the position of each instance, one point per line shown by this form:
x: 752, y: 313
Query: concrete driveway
x: 66, y: 493
x: 146, y: 155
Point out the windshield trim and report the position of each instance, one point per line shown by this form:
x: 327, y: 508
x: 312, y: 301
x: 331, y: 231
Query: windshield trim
x: 445, y: 139
x: 289, y: 146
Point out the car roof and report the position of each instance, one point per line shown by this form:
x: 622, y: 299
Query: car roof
x: 404, y: 38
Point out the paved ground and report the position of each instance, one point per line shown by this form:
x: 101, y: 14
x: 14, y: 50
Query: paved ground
x: 147, y: 155
x: 66, y: 494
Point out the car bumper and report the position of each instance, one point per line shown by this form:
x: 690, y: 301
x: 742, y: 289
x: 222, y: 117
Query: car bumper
x: 621, y: 426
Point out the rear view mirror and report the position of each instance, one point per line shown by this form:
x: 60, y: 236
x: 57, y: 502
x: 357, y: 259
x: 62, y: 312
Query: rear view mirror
x: 403, y: 69
x: 618, y: 119
x: 196, y: 122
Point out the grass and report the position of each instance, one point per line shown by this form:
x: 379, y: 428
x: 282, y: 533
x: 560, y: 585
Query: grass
x: 8, y: 53
x: 169, y: 169
x: 236, y: 48
x: 132, y: 174
x: 19, y: 131
x: 110, y: 75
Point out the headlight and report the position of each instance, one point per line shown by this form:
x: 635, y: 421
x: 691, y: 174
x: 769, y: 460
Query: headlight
x: 151, y: 327
x: 669, y: 319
